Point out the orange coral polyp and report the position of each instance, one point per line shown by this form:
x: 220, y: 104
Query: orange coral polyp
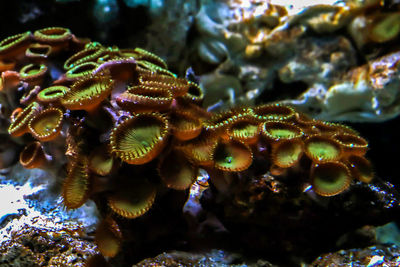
x: 352, y: 143
x: 19, y: 124
x: 100, y: 162
x: 33, y: 156
x: 140, y: 138
x: 133, y: 198
x: 47, y: 124
x: 121, y: 69
x: 194, y: 93
x: 330, y: 178
x: 232, y: 156
x: 273, y: 112
x: 108, y: 237
x: 245, y: 129
x: 142, y: 54
x: 75, y: 191
x: 220, y: 121
x: 38, y: 52
x: 52, y: 94
x: 14, y: 47
x: 280, y: 130
x: 185, y: 126
x: 178, y: 86
x: 322, y: 148
x: 176, y: 171
x: 88, y: 93
x: 81, y: 70
x: 142, y: 98
x: 287, y: 153
x: 199, y: 150
x: 33, y: 73
x: 52, y: 35
x: 90, y: 54
x: 361, y: 168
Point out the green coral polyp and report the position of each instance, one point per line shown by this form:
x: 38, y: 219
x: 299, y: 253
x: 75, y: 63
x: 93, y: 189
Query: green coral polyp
x: 232, y: 156
x: 287, y: 153
x: 19, y: 125
x: 277, y: 130
x: 52, y: 34
x: 322, y: 148
x: 139, y: 139
x: 87, y: 93
x: 76, y: 186
x: 330, y: 178
x: 87, y: 55
x: 133, y: 200
x: 81, y: 70
x: 52, y: 93
x: 11, y: 46
x: 46, y: 125
x: 33, y: 71
x: 361, y: 168
x: 273, y: 112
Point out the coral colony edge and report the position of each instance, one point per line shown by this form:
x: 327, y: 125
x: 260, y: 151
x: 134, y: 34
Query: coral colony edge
x: 132, y: 136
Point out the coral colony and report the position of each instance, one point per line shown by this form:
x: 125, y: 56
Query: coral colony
x: 126, y: 130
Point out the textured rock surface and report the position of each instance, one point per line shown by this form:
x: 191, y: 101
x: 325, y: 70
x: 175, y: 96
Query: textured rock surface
x: 382, y: 255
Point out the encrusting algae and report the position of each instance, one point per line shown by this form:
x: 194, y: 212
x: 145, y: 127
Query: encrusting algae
x: 120, y: 114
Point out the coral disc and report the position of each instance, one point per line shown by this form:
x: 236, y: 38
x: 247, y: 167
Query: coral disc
x: 47, y: 124
x: 185, y: 126
x: 273, y: 112
x: 140, y: 138
x: 33, y: 72
x: 245, y: 129
x: 352, y: 143
x: 145, y: 66
x: 139, y: 53
x: 199, y: 150
x: 81, y: 70
x: 279, y: 130
x: 52, y: 35
x: 178, y: 86
x: 287, y: 153
x: 322, y: 148
x: 108, y: 237
x: 133, y: 199
x: 38, y: 51
x: 88, y: 54
x: 52, y: 94
x: 330, y: 178
x: 232, y: 156
x: 32, y: 156
x: 220, y: 121
x: 194, y: 93
x: 14, y: 45
x: 100, y: 162
x: 361, y: 168
x: 19, y: 125
x: 88, y: 92
x: 121, y: 69
x: 176, y: 171
x: 143, y: 98
x: 75, y: 189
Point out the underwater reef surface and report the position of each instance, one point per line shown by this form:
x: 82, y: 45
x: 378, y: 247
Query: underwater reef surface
x: 261, y: 181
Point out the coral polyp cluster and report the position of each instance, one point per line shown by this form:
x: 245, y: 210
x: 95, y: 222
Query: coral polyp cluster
x: 130, y: 131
